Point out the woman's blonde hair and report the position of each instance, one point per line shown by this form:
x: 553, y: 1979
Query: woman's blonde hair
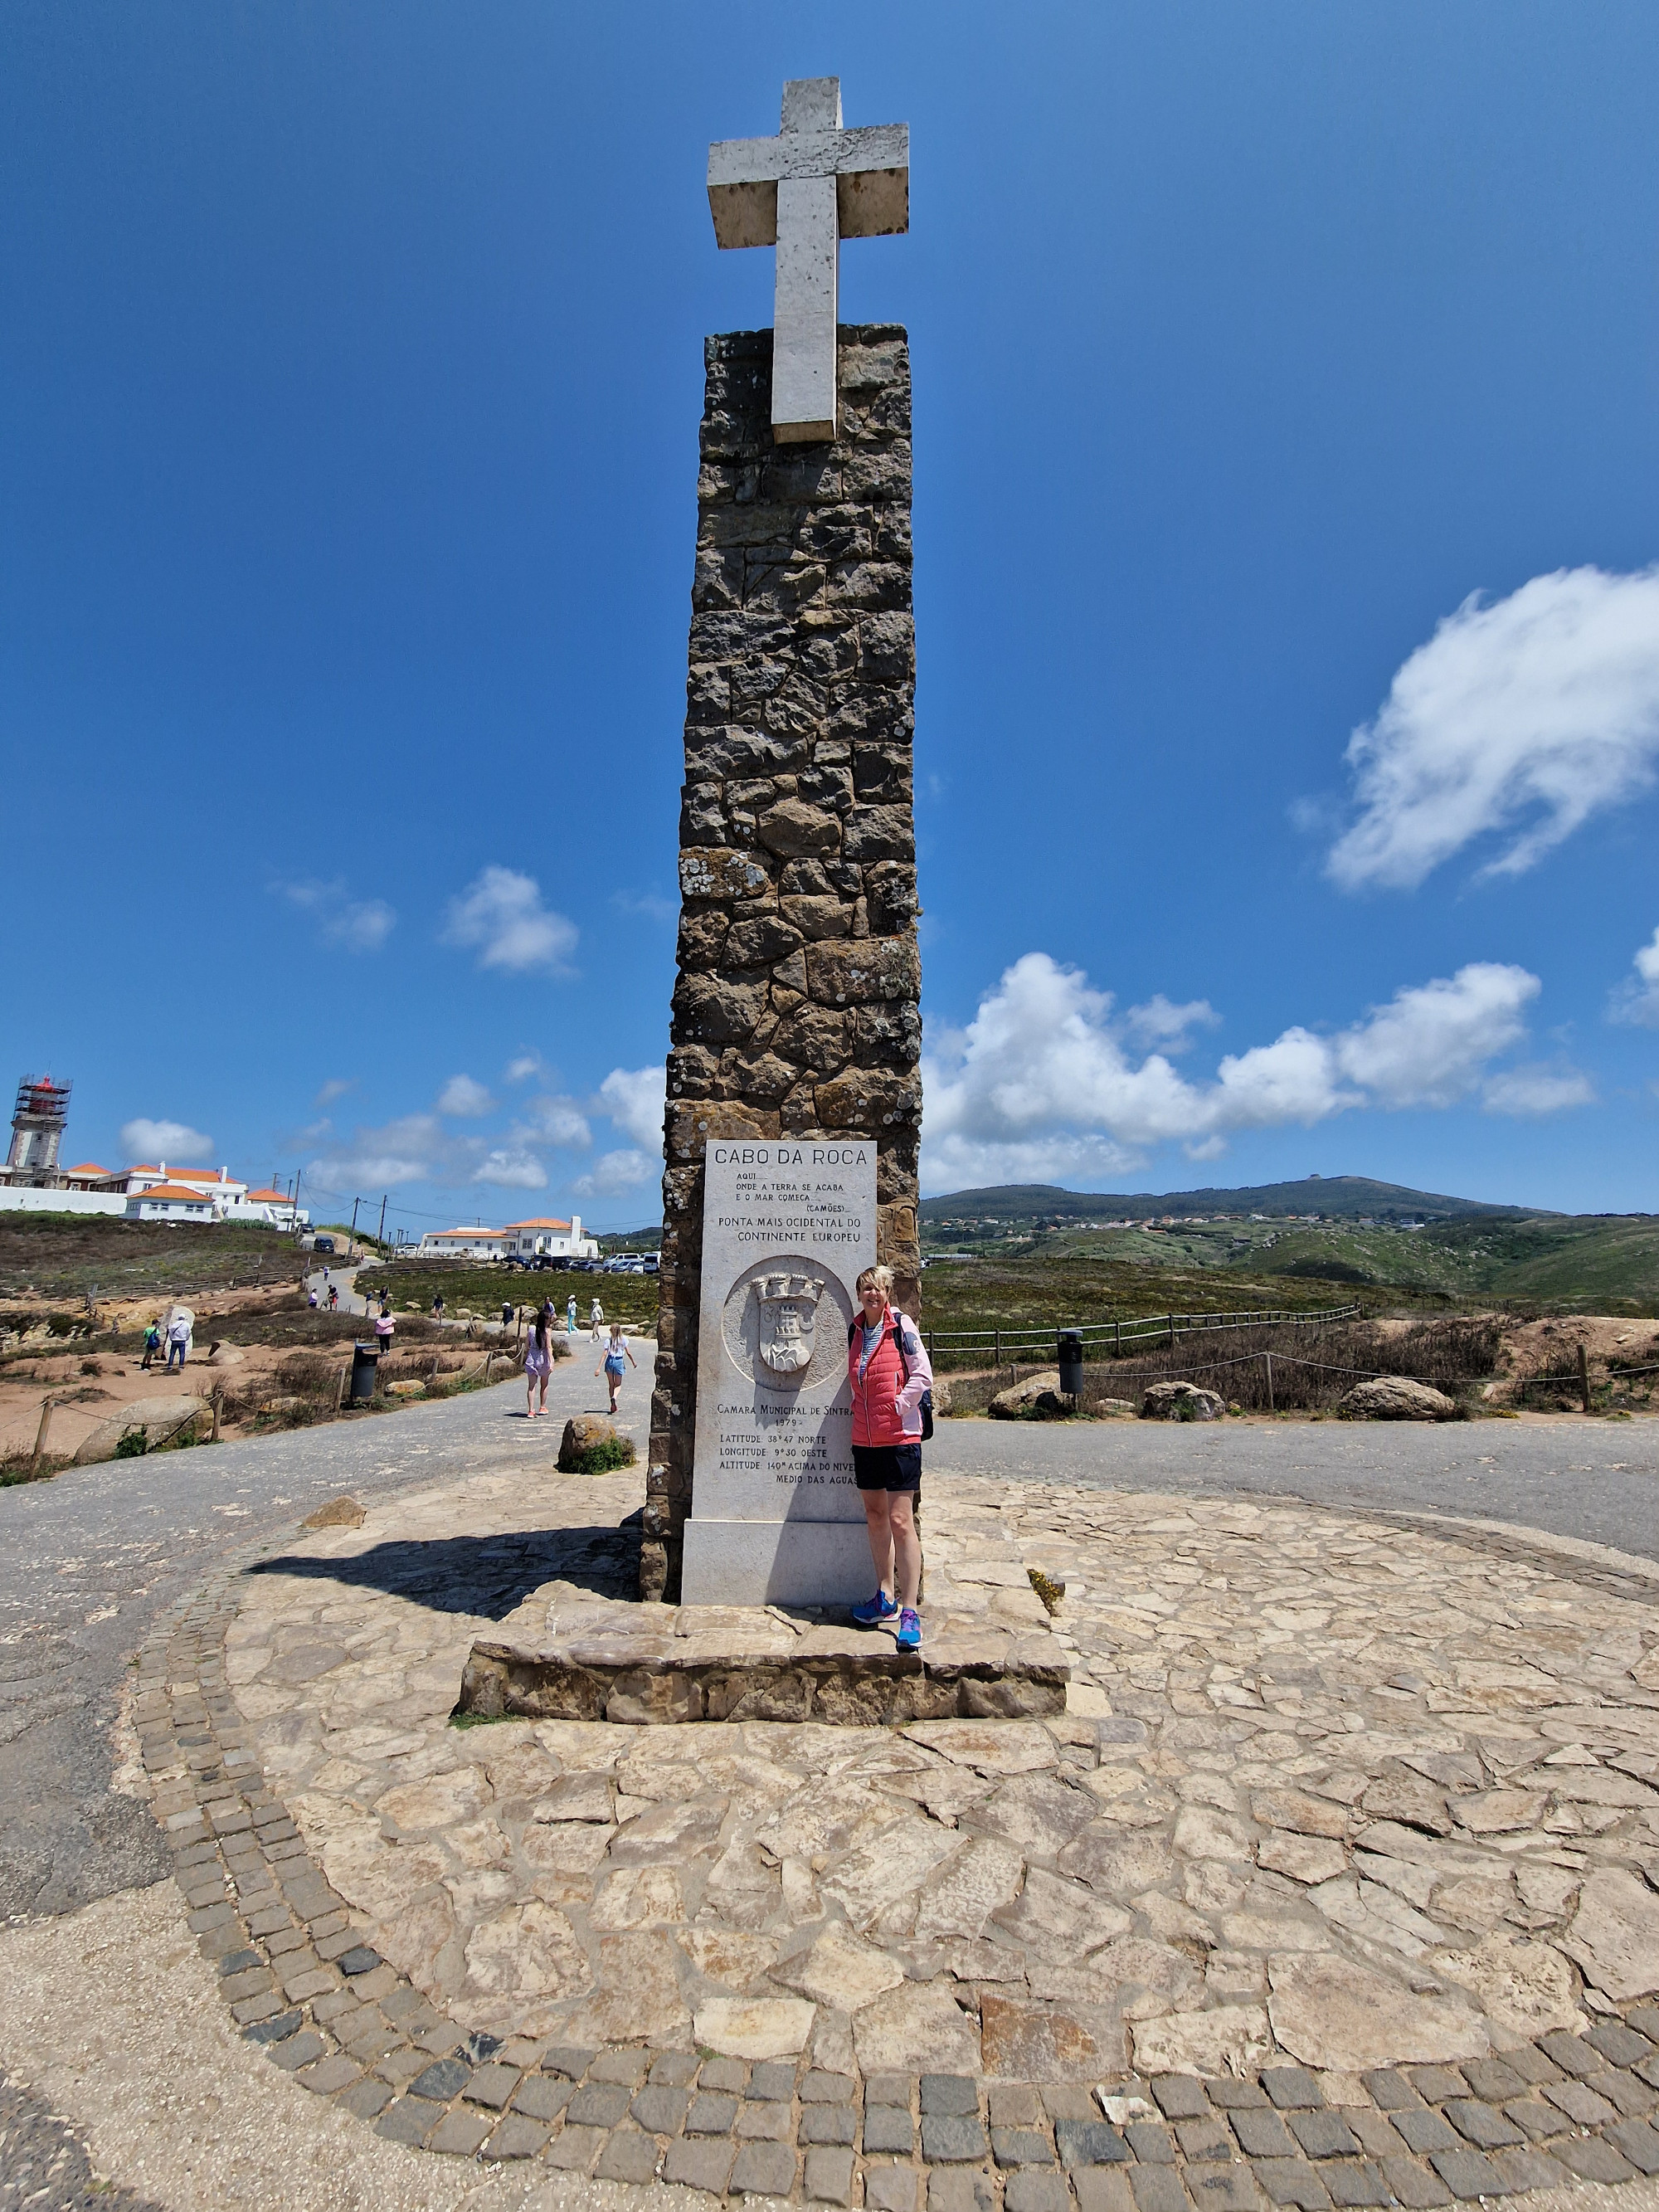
x: 880, y: 1279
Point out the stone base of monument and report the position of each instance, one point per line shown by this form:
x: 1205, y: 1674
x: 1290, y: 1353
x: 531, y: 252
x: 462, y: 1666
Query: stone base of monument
x: 803, y: 1563
x: 754, y: 1664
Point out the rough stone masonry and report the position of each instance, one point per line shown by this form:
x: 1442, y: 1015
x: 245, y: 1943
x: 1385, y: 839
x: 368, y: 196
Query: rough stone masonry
x: 796, y: 1008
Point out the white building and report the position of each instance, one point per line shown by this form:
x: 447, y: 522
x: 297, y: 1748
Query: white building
x: 523, y: 1240
x: 171, y: 1201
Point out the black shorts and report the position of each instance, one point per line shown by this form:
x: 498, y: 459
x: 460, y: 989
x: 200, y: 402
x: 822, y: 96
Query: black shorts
x: 887, y: 1467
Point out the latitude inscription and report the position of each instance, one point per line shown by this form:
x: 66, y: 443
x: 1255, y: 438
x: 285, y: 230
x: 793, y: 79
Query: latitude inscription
x: 803, y: 191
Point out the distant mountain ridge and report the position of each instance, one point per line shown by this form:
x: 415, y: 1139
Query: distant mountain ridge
x: 1336, y: 1197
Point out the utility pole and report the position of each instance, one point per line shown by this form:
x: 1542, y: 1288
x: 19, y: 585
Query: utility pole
x: 356, y: 1203
x: 295, y: 1202
x: 384, y: 1196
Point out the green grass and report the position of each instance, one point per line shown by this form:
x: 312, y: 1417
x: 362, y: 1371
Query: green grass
x: 57, y: 1255
x: 484, y: 1289
x: 1058, y: 1290
x: 1547, y: 1264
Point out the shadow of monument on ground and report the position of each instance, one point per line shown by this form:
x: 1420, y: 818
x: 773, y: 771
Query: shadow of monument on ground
x: 484, y: 1575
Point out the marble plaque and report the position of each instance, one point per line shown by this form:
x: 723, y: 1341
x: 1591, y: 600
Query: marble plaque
x: 788, y: 1227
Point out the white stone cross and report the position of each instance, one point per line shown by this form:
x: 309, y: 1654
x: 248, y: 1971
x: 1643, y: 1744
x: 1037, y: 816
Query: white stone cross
x: 804, y: 191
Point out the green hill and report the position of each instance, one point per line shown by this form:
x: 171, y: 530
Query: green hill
x: 1330, y: 1198
x: 1367, y: 1238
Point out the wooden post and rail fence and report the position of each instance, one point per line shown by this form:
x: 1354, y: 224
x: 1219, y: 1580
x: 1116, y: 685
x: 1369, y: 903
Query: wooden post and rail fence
x: 1110, y: 1338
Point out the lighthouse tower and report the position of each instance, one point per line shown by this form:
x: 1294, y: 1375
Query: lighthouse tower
x: 38, y: 1122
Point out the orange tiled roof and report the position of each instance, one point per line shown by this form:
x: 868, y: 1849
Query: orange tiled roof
x: 86, y: 1168
x: 539, y: 1225
x: 469, y: 1232
x: 174, y: 1190
x: 276, y: 1197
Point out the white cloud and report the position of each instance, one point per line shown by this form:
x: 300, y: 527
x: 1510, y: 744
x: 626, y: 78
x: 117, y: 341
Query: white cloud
x: 500, y: 915
x: 511, y: 1169
x: 335, y: 1087
x: 1527, y: 717
x: 413, y: 1148
x: 1159, y: 1023
x: 527, y: 1065
x: 1535, y: 1090
x: 1637, y: 999
x: 558, y: 1121
x: 615, y: 1172
x: 634, y: 1099
x: 464, y: 1099
x: 360, y: 924
x: 1430, y: 1045
x: 155, y: 1141
x: 1040, y: 1085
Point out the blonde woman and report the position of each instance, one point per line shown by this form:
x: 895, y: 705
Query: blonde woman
x: 611, y: 1366
x: 890, y: 1374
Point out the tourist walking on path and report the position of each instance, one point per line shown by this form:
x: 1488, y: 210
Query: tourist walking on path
x: 177, y: 1341
x: 384, y: 1326
x: 616, y: 1351
x: 152, y: 1346
x: 596, y: 1320
x: 570, y: 1315
x: 333, y: 1296
x: 538, y: 1364
x: 438, y: 1307
x: 890, y: 1374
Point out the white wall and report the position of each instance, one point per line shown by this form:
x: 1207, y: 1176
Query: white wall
x: 60, y: 1201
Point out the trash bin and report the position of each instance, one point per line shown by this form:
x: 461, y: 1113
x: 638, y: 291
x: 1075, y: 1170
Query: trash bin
x: 365, y: 1365
x: 1071, y: 1363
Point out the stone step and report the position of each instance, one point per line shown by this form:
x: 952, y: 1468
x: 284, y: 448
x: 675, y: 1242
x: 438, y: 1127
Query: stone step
x: 750, y: 1664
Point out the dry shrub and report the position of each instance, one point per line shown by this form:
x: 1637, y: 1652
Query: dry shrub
x: 1312, y: 1367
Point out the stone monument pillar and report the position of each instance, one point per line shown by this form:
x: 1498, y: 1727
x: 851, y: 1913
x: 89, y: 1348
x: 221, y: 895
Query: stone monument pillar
x: 796, y: 1010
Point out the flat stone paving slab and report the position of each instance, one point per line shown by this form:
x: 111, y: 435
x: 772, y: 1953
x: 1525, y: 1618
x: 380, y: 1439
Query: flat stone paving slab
x: 1064, y: 1948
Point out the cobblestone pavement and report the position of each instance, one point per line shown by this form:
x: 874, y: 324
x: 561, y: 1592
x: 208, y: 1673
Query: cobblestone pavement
x: 1335, y: 1887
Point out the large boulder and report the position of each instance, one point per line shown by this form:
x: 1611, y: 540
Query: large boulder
x: 158, y: 1420
x: 583, y: 1433
x: 1037, y: 1398
x: 227, y: 1355
x: 1397, y: 1398
x: 1180, y: 1401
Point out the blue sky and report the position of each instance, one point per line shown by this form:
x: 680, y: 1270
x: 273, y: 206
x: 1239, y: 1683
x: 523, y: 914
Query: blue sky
x: 349, y: 387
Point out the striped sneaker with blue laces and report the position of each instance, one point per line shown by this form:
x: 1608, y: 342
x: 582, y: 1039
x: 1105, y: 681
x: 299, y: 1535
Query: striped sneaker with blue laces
x: 874, y: 1610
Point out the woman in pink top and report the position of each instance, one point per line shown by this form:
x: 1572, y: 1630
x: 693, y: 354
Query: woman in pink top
x: 889, y: 1370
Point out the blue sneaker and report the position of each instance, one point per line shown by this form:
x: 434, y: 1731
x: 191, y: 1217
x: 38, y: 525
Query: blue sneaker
x: 874, y: 1610
x: 910, y: 1629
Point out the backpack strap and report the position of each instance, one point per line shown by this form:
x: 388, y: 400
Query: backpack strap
x: 898, y: 1346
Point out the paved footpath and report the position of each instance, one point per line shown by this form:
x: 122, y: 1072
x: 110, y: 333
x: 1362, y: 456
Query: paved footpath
x: 86, y: 1562
x: 1596, y: 1481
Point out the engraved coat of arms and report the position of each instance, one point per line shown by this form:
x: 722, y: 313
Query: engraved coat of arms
x: 788, y: 1304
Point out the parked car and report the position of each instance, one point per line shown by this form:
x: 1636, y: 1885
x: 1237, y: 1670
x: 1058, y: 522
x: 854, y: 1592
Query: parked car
x: 322, y: 1243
